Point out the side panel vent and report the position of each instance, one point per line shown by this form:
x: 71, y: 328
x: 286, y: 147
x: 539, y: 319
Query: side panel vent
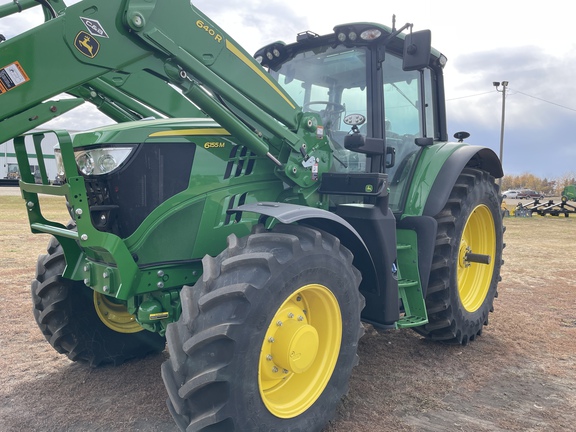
x: 241, y: 162
x: 234, y: 201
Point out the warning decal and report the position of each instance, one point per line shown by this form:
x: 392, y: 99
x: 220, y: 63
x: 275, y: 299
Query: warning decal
x: 12, y: 76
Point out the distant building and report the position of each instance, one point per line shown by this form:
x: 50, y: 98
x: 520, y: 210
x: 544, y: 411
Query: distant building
x: 9, y: 165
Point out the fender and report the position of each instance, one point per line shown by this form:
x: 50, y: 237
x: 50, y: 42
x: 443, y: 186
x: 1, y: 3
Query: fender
x: 472, y: 156
x: 438, y: 168
x: 316, y: 218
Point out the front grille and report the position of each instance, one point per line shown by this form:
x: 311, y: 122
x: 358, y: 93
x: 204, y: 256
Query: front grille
x: 120, y: 201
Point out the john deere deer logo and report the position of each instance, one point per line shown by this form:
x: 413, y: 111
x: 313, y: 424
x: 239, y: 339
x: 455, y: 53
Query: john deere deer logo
x: 86, y: 44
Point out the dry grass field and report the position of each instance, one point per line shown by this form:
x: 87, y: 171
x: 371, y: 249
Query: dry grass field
x: 519, y: 376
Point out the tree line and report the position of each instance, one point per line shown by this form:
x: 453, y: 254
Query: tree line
x: 550, y: 187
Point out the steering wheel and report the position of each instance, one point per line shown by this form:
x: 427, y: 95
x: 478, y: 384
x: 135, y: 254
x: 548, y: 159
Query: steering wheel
x: 332, y: 107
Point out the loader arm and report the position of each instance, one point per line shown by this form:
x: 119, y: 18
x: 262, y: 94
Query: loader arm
x: 123, y: 56
x: 128, y: 102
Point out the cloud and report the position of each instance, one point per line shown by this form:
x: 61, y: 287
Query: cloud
x: 539, y: 86
x: 251, y: 23
x: 81, y: 118
x: 539, y: 110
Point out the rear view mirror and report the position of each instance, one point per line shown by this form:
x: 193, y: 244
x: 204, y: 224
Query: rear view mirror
x: 417, y: 47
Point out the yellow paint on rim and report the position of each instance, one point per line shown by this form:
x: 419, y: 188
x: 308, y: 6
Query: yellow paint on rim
x: 479, y: 237
x: 190, y: 132
x: 300, y: 351
x: 114, y: 315
x: 258, y: 69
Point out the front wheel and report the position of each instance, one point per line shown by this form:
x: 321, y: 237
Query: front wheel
x: 267, y: 338
x: 467, y: 259
x: 81, y: 323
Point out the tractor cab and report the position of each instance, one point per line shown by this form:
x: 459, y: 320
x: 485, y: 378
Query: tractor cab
x: 378, y: 98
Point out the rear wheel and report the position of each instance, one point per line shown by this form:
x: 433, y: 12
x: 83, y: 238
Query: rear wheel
x: 461, y: 290
x: 85, y: 325
x: 268, y: 337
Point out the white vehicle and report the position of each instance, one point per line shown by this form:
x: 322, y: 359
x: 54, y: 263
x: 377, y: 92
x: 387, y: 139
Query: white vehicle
x: 511, y: 194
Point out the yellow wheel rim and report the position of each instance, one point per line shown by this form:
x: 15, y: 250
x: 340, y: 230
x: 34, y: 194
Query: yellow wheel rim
x: 479, y: 237
x: 114, y: 315
x: 300, y: 351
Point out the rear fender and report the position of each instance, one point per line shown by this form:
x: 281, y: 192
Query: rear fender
x: 470, y: 156
x: 438, y: 169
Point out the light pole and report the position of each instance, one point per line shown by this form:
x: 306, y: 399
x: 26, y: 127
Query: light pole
x: 504, y: 85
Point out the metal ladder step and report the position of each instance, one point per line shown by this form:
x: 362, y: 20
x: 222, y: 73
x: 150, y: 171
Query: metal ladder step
x: 413, y: 304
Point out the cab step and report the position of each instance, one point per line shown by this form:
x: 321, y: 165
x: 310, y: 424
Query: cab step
x: 409, y: 286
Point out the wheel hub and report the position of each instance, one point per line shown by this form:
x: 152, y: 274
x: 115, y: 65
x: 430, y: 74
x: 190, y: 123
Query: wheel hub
x: 296, y: 346
x: 464, y: 250
x: 114, y: 315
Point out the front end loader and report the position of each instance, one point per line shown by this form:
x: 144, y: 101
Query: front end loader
x: 252, y: 212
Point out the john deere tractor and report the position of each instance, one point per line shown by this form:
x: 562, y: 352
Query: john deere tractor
x: 251, y: 211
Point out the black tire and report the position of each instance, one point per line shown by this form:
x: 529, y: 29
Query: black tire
x: 219, y: 361
x: 461, y: 293
x: 66, y: 313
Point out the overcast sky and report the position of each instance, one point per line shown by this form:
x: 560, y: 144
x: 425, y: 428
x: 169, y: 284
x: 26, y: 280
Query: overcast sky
x: 529, y: 44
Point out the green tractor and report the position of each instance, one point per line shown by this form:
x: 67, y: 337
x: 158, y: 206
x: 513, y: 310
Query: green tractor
x: 251, y: 211
x: 569, y: 193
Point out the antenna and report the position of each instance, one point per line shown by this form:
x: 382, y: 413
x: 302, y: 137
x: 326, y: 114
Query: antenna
x: 393, y: 22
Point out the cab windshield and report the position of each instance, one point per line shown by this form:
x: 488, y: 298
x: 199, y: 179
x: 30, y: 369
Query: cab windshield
x: 332, y: 82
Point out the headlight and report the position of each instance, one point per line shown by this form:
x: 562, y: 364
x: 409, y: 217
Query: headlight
x: 100, y: 161
x: 85, y: 162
